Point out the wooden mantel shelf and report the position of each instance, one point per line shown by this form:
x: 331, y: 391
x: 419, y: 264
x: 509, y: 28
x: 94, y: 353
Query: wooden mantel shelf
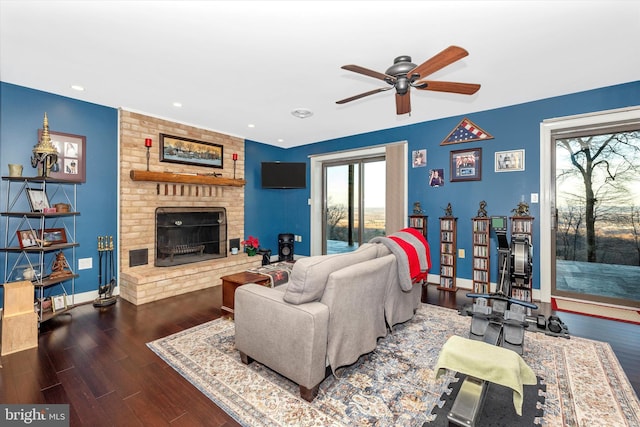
x: 137, y: 175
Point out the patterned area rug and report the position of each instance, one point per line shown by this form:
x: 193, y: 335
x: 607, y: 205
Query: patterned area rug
x: 395, y: 385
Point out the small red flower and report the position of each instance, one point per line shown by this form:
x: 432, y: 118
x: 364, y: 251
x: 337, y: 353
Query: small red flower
x: 251, y: 242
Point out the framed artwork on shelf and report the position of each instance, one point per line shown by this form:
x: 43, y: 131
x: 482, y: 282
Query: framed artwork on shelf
x: 53, y: 236
x: 509, y: 161
x: 38, y: 199
x: 176, y: 149
x: 466, y: 165
x: 72, y: 161
x: 59, y: 302
x: 27, y: 238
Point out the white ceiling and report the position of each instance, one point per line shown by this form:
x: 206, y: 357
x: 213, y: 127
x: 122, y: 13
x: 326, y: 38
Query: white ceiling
x: 237, y: 63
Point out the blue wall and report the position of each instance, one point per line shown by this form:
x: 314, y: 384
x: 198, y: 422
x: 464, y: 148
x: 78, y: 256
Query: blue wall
x: 21, y: 114
x: 512, y: 127
x: 270, y: 212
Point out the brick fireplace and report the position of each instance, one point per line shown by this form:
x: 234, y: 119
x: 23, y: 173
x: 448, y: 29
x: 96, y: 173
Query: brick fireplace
x: 145, y: 282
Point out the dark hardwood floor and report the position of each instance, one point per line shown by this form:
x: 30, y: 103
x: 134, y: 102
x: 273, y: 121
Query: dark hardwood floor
x: 97, y: 361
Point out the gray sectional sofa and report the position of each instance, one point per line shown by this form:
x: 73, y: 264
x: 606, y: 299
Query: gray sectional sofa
x: 332, y: 311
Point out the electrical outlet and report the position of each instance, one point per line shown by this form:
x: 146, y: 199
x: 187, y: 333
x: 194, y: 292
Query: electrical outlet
x: 461, y: 253
x: 534, y: 197
x: 85, y: 263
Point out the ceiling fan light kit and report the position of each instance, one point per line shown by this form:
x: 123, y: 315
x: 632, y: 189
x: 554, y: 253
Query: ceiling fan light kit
x: 403, y: 75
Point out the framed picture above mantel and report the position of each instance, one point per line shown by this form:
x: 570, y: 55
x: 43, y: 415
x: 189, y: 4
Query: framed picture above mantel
x: 176, y: 149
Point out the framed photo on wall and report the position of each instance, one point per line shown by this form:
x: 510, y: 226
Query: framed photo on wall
x: 509, y: 161
x: 419, y: 158
x: 71, y: 164
x: 176, y: 149
x: 466, y: 165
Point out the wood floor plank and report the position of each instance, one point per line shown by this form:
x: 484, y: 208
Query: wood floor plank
x: 145, y: 409
x: 56, y: 395
x: 119, y: 414
x: 80, y: 398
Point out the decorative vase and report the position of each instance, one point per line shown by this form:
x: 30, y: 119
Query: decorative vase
x: 251, y: 251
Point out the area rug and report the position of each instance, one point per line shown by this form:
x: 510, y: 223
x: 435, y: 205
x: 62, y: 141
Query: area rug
x: 596, y: 310
x: 395, y: 385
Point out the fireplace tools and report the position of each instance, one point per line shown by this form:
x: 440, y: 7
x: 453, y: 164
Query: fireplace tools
x: 107, y: 283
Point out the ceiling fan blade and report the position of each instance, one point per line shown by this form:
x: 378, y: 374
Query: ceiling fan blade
x: 439, y: 61
x: 454, y: 87
x: 403, y: 103
x: 367, y: 72
x: 362, y: 95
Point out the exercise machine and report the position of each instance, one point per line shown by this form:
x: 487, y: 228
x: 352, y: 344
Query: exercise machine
x: 497, y: 318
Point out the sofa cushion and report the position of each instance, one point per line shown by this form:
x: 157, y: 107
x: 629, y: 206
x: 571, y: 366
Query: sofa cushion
x: 309, y: 275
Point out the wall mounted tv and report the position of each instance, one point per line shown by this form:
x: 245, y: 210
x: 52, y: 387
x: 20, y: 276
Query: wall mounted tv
x: 284, y: 175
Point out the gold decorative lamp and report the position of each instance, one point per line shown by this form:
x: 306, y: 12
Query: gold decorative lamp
x: 45, y: 154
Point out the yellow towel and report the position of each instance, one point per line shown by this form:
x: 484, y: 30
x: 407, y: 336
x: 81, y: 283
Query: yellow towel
x: 487, y: 362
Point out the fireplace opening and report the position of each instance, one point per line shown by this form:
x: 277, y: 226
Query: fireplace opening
x: 188, y: 235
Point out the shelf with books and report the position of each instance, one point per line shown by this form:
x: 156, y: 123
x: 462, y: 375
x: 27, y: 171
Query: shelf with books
x: 448, y: 231
x: 419, y: 222
x: 481, y: 255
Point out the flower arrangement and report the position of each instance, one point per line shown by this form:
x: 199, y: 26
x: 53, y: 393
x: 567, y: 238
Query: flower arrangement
x: 251, y: 244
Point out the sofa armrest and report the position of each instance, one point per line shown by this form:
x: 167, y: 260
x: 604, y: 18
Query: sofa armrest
x: 290, y: 339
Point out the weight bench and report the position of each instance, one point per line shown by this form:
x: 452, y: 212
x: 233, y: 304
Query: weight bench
x: 482, y: 363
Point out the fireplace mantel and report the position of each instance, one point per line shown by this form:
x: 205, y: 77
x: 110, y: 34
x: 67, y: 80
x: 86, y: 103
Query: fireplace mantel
x: 139, y: 175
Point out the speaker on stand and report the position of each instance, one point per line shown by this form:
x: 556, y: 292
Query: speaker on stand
x: 285, y: 247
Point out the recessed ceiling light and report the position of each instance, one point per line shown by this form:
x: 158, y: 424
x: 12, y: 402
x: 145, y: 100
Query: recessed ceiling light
x: 251, y: 125
x: 177, y: 104
x: 302, y: 113
x: 78, y: 88
x: 280, y: 140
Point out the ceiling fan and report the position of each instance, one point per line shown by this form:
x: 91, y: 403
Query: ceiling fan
x: 403, y: 75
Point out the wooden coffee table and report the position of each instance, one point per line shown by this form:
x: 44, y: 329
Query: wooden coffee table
x: 231, y: 282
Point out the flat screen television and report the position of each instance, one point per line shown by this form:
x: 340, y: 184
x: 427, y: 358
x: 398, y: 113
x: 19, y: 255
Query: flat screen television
x: 284, y: 175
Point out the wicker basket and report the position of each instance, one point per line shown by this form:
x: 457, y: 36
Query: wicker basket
x: 62, y: 207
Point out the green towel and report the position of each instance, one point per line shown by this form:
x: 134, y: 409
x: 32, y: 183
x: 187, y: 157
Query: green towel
x: 487, y: 362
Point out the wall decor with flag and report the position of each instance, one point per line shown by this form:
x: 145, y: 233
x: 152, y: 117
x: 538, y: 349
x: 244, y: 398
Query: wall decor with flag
x: 466, y: 131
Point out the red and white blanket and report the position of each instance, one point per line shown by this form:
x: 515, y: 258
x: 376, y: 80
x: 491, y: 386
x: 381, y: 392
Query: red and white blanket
x: 412, y: 254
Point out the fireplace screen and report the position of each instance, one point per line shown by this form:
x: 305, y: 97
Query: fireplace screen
x: 187, y: 235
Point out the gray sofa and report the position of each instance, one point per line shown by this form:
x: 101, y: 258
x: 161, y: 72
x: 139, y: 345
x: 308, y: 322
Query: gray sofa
x: 332, y: 311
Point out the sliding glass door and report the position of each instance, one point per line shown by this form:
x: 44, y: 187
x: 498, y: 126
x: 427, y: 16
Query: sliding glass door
x: 597, y: 224
x: 354, y: 203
